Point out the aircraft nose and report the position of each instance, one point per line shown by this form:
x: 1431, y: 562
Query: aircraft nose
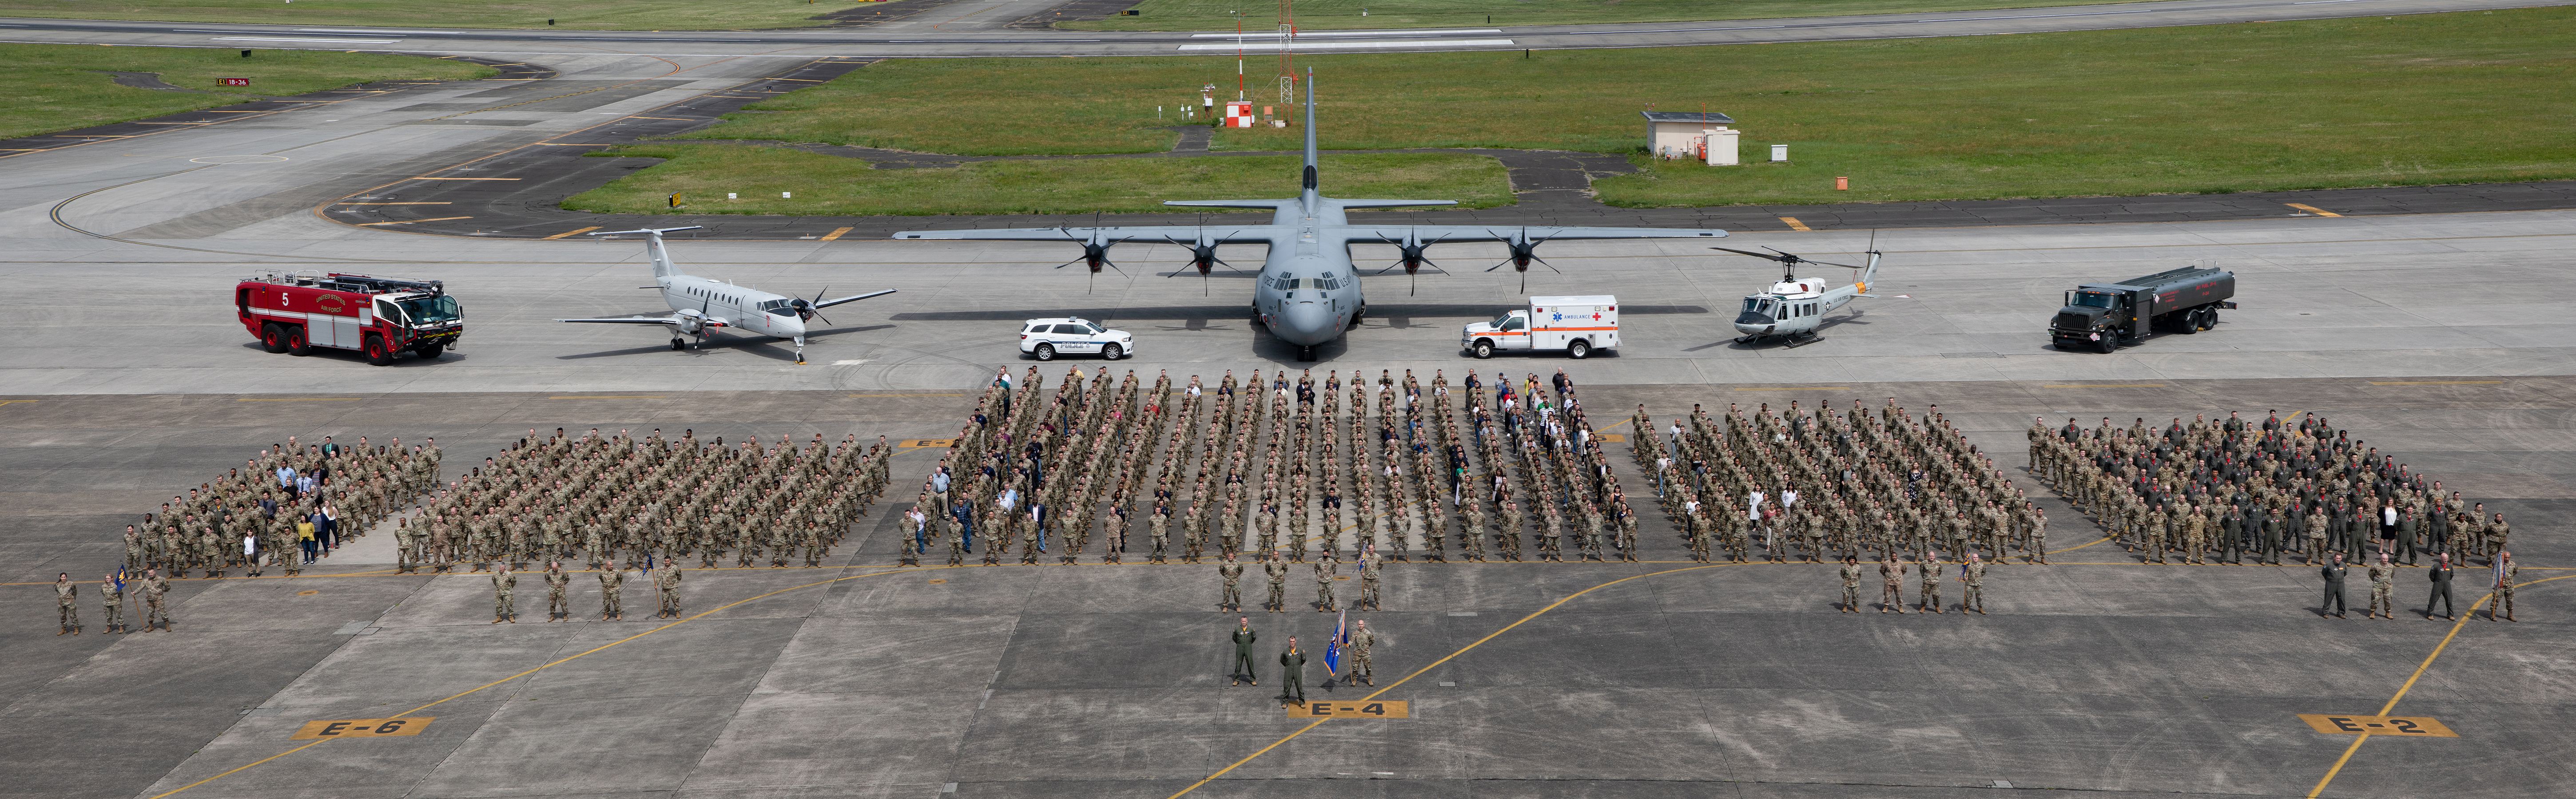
x: 1307, y: 323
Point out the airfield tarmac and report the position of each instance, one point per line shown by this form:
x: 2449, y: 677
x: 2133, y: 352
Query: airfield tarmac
x: 2435, y: 338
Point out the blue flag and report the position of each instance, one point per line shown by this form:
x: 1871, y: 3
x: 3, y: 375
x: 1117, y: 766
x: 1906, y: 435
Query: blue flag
x: 1333, y: 646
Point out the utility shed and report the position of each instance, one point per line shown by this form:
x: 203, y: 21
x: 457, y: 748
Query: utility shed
x: 1679, y: 134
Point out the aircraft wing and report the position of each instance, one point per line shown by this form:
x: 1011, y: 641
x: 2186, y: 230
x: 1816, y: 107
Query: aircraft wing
x: 852, y: 298
x: 1369, y: 234
x: 1152, y: 234
x: 630, y: 320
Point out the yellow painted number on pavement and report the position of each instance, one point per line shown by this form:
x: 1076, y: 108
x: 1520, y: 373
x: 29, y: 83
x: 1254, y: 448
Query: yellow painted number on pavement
x: 2413, y: 726
x: 1380, y: 709
x: 361, y: 728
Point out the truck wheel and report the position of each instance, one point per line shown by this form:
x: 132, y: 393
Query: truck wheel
x: 272, y: 339
x: 2209, y: 319
x: 377, y: 353
x: 2106, y: 345
x: 1112, y: 353
x: 430, y: 352
x: 1484, y: 349
x: 296, y: 344
x: 2190, y: 323
x: 1046, y: 352
x: 1578, y: 349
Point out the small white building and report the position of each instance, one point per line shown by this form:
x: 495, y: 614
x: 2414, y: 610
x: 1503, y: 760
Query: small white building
x: 1683, y: 134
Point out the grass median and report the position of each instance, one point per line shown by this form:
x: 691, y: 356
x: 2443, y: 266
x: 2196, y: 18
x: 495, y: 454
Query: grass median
x: 703, y: 174
x: 2436, y: 98
x: 51, y: 87
x: 1220, y: 15
x: 379, y: 14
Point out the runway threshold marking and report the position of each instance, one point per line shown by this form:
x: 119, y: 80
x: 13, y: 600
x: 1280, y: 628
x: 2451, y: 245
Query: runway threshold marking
x: 584, y: 654
x: 835, y: 235
x: 2363, y: 738
x: 574, y: 232
x: 2312, y: 209
x: 1432, y: 665
x: 1794, y: 224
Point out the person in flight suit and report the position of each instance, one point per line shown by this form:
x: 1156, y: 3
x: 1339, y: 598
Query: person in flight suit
x: 1243, y: 640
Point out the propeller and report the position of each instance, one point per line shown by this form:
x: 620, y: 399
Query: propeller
x: 1409, y: 255
x: 1095, y: 251
x: 805, y: 310
x: 1523, y: 250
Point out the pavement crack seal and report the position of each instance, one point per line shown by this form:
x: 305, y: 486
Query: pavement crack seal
x: 587, y: 653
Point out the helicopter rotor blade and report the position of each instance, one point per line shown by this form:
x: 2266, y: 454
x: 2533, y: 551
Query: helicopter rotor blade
x: 1767, y: 256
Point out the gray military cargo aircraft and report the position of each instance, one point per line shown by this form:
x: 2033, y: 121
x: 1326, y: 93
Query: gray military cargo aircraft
x: 1307, y: 292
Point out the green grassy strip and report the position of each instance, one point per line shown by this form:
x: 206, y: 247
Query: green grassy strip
x: 830, y: 185
x: 1221, y: 15
x: 50, y: 87
x: 568, y: 14
x: 2471, y: 96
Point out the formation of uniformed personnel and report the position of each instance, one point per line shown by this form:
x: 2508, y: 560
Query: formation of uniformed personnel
x: 249, y: 516
x: 2264, y: 487
x: 1823, y: 483
x: 1243, y: 640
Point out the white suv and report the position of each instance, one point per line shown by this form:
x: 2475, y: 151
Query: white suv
x: 1047, y: 338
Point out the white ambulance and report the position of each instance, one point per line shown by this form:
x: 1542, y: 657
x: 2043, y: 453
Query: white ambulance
x: 1574, y: 325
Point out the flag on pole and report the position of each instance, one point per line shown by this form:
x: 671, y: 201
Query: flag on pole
x: 1333, y: 646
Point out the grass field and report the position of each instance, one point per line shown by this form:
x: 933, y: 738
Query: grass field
x: 2441, y: 98
x: 568, y: 14
x: 49, y: 87
x: 1216, y: 15
x: 823, y: 184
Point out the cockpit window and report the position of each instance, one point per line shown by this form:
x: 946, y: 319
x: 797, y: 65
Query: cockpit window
x: 2093, y: 299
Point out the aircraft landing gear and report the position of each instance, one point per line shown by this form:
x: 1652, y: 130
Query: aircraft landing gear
x: 676, y: 344
x: 800, y: 350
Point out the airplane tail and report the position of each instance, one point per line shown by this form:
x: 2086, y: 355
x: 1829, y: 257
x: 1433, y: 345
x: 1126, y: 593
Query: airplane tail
x: 1310, y: 185
x: 662, y: 266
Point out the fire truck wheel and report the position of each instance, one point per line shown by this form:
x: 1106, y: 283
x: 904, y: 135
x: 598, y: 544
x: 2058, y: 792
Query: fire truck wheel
x: 430, y: 352
x: 272, y: 339
x: 377, y: 353
x: 296, y: 345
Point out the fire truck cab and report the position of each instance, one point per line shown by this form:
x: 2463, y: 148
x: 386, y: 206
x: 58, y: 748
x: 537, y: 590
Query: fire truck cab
x: 293, y: 312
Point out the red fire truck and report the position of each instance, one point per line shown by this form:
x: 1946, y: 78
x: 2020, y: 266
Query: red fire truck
x: 293, y: 312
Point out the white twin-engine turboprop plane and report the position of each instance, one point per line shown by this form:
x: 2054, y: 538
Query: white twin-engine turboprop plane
x: 1308, y: 293
x: 699, y: 306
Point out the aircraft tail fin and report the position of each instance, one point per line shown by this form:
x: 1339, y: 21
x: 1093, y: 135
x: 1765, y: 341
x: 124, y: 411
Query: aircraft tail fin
x: 1311, y: 183
x: 662, y: 266
x: 1868, y: 274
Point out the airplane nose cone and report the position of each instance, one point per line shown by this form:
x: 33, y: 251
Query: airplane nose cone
x: 1306, y: 323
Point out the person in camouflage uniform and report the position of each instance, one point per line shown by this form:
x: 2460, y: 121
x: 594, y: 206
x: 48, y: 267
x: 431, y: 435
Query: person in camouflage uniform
x: 505, y: 607
x: 557, y: 607
x: 1324, y: 574
x: 1232, y: 599
x: 2382, y: 579
x: 1851, y: 583
x: 612, y: 584
x: 1973, y: 573
x: 67, y: 599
